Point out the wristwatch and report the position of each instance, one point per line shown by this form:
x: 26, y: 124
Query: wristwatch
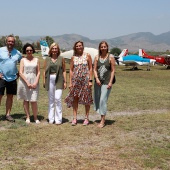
x: 90, y: 80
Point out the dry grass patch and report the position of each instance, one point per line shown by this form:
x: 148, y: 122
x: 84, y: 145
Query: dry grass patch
x: 137, y: 134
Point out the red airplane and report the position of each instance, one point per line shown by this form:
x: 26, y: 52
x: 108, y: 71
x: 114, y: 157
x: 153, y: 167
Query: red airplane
x: 159, y: 59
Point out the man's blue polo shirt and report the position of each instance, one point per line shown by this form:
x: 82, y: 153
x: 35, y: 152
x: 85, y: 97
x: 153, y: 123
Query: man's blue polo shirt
x: 8, y: 63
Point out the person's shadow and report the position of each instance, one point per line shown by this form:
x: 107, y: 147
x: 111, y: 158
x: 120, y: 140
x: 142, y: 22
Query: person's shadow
x: 107, y: 122
x: 21, y: 116
x: 64, y: 120
x: 82, y: 120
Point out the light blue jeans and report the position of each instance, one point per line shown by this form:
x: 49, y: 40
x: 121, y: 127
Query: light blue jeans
x: 101, y: 94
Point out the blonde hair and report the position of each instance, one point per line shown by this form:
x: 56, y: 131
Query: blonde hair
x: 51, y: 46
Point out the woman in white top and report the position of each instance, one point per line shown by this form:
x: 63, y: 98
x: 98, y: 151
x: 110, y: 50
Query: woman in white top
x: 28, y: 86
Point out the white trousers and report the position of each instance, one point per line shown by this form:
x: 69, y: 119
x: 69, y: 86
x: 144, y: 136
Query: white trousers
x: 54, y: 104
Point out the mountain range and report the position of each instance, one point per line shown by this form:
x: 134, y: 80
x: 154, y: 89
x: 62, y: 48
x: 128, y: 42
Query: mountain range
x: 145, y: 40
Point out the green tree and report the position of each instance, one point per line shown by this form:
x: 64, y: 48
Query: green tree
x: 49, y: 40
x: 115, y: 51
x: 2, y: 41
x: 18, y: 42
x: 38, y: 45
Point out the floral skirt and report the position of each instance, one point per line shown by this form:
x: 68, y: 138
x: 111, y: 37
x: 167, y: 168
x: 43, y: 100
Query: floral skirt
x: 84, y: 95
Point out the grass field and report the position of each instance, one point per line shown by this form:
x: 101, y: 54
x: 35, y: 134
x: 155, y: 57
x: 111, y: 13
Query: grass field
x: 136, y: 135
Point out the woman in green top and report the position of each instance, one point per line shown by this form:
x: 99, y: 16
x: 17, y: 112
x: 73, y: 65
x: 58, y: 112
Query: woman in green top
x: 104, y: 68
x: 54, y: 81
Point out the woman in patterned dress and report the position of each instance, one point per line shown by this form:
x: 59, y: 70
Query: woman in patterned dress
x: 80, y: 82
x: 28, y: 86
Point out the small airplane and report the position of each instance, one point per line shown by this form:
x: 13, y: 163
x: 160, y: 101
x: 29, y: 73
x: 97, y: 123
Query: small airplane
x: 134, y: 60
x: 44, y: 48
x: 68, y: 54
x: 159, y: 59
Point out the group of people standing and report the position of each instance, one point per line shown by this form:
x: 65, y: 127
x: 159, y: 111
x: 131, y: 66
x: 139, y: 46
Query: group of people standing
x: 55, y: 80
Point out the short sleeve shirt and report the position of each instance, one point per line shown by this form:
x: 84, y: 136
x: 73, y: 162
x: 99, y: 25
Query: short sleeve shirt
x: 8, y: 63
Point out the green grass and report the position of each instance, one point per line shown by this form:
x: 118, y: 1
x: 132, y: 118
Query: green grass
x: 136, y: 135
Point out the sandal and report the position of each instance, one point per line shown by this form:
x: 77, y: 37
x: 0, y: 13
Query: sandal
x: 86, y: 122
x: 9, y: 118
x: 74, y: 122
x: 101, y: 125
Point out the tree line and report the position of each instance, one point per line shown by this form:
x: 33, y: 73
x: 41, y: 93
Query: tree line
x: 18, y: 44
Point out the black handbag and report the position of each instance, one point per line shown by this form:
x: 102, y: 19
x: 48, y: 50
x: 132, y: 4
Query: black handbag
x: 114, y: 80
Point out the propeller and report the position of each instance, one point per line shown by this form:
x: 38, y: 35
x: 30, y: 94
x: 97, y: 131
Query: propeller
x: 117, y: 59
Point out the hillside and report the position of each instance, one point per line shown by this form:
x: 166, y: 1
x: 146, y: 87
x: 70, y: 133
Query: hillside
x: 133, y: 42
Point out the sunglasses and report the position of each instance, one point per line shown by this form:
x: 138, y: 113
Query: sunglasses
x: 28, y: 50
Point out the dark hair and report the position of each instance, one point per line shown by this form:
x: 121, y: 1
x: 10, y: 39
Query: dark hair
x: 103, y: 42
x: 27, y: 45
x: 74, y: 47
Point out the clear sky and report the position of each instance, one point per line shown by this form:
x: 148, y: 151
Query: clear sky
x: 95, y: 19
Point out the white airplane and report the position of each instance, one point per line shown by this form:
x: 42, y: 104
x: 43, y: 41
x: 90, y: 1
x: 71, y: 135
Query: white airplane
x: 135, y: 60
x: 92, y: 51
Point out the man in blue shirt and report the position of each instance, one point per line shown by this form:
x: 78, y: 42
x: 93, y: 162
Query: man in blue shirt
x: 9, y: 57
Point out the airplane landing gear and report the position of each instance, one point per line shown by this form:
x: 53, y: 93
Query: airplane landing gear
x: 135, y: 68
x: 148, y: 68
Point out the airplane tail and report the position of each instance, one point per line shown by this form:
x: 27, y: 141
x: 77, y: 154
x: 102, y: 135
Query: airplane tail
x: 123, y: 53
x: 44, y: 48
x: 142, y: 53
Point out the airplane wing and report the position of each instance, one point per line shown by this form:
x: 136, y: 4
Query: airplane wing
x: 130, y: 63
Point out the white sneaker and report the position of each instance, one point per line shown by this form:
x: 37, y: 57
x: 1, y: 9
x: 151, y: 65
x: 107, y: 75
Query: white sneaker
x: 58, y: 123
x: 27, y: 120
x: 51, y: 122
x: 37, y: 121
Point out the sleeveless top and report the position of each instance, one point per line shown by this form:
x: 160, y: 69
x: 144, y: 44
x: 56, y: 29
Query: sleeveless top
x: 30, y: 73
x: 80, y: 82
x: 59, y: 72
x: 104, y: 70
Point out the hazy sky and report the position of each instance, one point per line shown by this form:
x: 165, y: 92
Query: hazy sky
x: 95, y: 19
